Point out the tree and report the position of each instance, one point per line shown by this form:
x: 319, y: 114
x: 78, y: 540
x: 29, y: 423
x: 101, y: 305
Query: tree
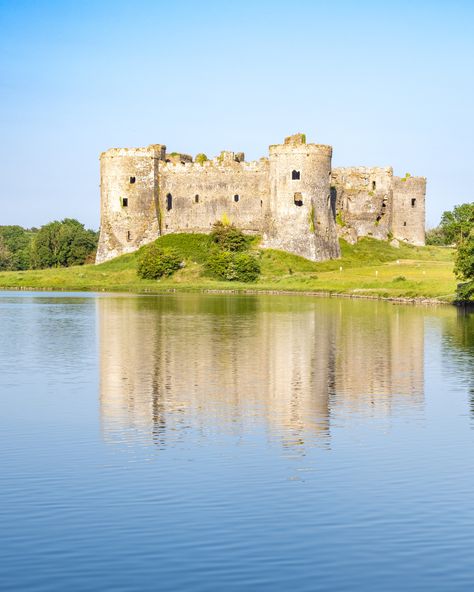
x: 464, y: 268
x: 5, y: 256
x: 456, y: 225
x: 61, y: 244
x: 18, y: 242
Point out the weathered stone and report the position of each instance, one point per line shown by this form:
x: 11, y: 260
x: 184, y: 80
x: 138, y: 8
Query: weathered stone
x: 395, y: 243
x: 293, y: 199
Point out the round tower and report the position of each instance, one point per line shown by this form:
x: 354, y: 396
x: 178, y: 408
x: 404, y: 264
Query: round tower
x: 129, y: 215
x: 300, y: 216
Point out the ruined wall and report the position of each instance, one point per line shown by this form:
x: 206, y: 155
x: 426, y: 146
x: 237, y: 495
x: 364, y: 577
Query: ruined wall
x: 293, y: 199
x: 409, y: 209
x: 128, y: 190
x: 193, y: 196
x: 363, y: 199
x: 299, y: 217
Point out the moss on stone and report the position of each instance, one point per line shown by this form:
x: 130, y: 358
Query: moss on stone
x: 201, y: 158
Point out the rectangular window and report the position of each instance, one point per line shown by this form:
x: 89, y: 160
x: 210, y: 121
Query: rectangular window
x: 413, y: 202
x: 125, y: 202
x: 132, y: 180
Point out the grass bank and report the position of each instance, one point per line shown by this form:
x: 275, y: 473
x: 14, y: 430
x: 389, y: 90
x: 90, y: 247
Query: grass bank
x: 369, y: 268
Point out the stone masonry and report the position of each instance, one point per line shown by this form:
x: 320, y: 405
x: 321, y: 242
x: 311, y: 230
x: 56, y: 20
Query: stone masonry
x: 293, y: 199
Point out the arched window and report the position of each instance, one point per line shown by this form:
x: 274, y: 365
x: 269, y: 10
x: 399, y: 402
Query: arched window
x: 169, y: 202
x: 236, y: 198
x: 196, y: 198
x: 295, y: 175
x: 298, y: 198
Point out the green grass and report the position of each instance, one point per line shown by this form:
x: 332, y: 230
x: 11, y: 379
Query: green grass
x: 370, y: 268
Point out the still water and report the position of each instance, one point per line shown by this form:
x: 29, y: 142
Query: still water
x: 211, y: 443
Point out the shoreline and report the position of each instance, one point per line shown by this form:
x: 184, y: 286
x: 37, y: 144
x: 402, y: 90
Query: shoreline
x: 421, y: 300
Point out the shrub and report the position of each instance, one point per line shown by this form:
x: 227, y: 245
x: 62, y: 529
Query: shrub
x: 225, y: 265
x: 156, y: 262
x: 201, y: 158
x: 229, y: 238
x: 399, y: 278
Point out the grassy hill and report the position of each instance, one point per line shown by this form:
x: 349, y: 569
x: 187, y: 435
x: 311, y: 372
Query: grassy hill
x: 370, y: 268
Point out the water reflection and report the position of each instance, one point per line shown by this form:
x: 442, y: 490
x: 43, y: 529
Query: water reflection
x: 297, y: 365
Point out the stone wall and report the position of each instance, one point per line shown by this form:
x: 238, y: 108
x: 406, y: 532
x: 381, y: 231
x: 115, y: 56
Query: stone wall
x: 193, y: 196
x: 363, y: 199
x: 409, y: 209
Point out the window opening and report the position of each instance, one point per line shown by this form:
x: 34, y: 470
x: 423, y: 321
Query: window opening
x: 125, y: 202
x: 295, y: 175
x: 374, y: 185
x: 169, y: 202
x: 196, y: 198
x: 132, y: 180
x: 236, y: 198
x: 413, y: 202
x: 404, y: 224
x: 298, y: 198
x: 129, y: 235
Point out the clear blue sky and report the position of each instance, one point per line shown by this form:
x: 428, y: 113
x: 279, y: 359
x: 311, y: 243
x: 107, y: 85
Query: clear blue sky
x: 385, y: 83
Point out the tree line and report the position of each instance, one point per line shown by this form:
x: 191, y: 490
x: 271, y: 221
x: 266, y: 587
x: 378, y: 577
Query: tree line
x: 57, y: 244
x: 456, y: 228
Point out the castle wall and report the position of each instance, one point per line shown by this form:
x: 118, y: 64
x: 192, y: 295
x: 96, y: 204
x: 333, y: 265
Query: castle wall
x: 203, y: 194
x: 363, y: 199
x: 409, y: 209
x: 299, y: 218
x: 293, y: 199
x: 128, y: 189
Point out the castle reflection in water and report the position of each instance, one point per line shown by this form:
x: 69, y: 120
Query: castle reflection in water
x: 297, y: 365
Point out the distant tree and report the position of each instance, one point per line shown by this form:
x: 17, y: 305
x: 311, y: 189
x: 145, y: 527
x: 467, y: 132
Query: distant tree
x: 464, y: 267
x: 435, y: 236
x: 18, y: 242
x: 61, y: 244
x: 5, y: 256
x: 456, y: 225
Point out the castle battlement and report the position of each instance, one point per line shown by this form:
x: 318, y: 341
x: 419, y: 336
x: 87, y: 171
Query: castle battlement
x: 293, y: 198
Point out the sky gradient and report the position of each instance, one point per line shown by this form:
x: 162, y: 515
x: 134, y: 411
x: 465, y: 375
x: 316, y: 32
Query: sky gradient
x: 384, y: 83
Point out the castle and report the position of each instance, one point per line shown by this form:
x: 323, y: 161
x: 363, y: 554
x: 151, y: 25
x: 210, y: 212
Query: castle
x: 293, y: 199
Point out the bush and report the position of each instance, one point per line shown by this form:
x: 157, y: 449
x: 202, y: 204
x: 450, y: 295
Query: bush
x: 156, y: 262
x: 229, y: 238
x: 225, y: 265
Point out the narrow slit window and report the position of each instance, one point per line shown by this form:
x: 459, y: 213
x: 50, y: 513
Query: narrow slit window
x: 404, y: 224
x: 236, y: 198
x: 129, y: 235
x: 374, y: 185
x: 196, y: 198
x: 295, y: 175
x: 298, y: 199
x: 169, y: 202
x: 413, y: 202
x: 132, y: 180
x: 125, y: 202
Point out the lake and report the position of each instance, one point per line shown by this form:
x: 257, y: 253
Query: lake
x: 225, y: 442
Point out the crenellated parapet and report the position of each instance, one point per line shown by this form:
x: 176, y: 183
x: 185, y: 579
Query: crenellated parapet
x: 293, y: 198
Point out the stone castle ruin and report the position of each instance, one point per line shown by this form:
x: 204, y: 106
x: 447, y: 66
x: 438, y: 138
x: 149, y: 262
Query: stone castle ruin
x: 293, y: 199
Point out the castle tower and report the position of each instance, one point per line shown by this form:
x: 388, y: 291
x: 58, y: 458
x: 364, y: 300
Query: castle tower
x: 300, y: 217
x: 408, y: 218
x: 129, y: 214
